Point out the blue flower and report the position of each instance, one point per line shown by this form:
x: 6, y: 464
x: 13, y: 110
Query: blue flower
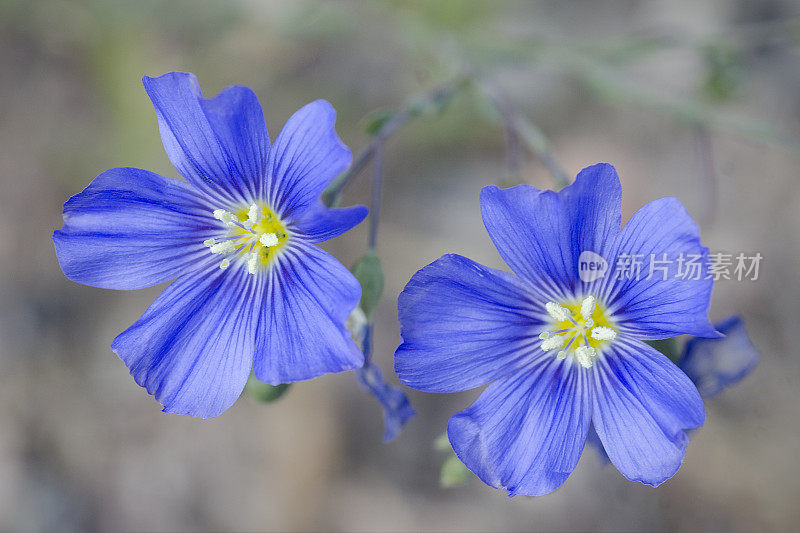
x: 397, y: 409
x: 714, y: 364
x: 253, y: 291
x: 561, y: 354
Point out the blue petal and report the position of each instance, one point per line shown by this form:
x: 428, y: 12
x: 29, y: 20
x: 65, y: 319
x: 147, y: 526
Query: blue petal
x: 714, y: 364
x: 659, y: 308
x: 193, y: 347
x: 302, y: 331
x: 397, y: 409
x: 320, y: 223
x: 236, y: 117
x: 541, y: 234
x: 306, y: 157
x: 642, y: 406
x: 130, y: 229
x: 463, y: 325
x: 525, y: 433
x: 222, y: 142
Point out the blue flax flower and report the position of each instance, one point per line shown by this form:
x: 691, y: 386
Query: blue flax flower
x: 561, y: 354
x: 715, y: 364
x: 253, y: 291
x: 397, y: 410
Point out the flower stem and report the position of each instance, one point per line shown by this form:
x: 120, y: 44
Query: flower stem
x: 415, y: 107
x: 375, y: 205
x: 520, y: 128
x: 366, y: 344
x: 708, y: 174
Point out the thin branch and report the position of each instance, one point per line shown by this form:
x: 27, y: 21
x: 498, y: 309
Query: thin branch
x: 704, y: 149
x: 375, y: 206
x: 523, y: 129
x: 537, y: 142
x: 605, y: 83
x: 513, y: 154
x: 415, y: 107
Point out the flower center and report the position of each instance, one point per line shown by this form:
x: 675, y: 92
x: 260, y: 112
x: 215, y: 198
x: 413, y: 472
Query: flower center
x: 578, y: 329
x: 254, y: 234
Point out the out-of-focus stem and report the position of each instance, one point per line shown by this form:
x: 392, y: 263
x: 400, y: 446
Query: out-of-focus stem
x: 520, y: 128
x: 537, y: 142
x: 708, y: 174
x: 605, y: 83
x: 413, y: 108
x: 377, y: 187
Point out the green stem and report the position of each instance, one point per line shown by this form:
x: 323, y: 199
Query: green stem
x: 415, y: 107
x: 605, y: 83
x: 519, y: 127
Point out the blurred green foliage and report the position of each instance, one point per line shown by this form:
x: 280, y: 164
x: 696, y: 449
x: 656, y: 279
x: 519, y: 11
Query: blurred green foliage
x: 452, y: 473
x: 724, y: 70
x: 263, y: 392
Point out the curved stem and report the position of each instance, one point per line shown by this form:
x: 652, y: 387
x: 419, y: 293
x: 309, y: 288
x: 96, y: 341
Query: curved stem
x: 413, y: 108
x: 375, y: 206
x: 519, y: 127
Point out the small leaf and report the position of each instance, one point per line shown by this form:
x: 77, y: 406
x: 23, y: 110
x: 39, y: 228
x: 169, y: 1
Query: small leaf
x: 369, y: 273
x: 375, y: 120
x: 453, y: 473
x: 263, y: 392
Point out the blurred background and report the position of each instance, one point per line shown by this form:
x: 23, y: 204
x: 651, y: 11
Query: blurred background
x: 698, y: 100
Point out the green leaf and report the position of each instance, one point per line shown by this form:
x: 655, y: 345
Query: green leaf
x: 453, y: 473
x: 369, y: 273
x: 263, y: 392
